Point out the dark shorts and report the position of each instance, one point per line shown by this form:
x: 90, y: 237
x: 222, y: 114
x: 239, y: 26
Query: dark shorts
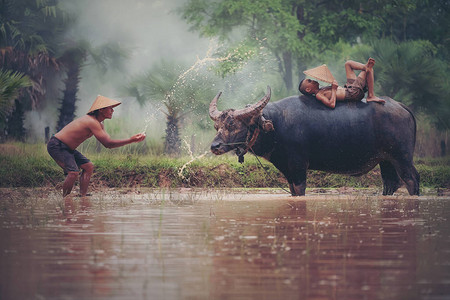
x: 355, y: 89
x: 68, y: 159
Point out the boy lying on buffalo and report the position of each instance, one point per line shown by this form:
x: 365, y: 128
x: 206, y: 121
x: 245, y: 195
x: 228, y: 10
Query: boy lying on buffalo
x: 353, y: 90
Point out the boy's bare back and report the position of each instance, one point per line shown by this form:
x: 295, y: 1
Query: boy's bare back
x: 79, y: 130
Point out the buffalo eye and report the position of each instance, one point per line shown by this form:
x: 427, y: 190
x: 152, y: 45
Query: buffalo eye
x: 230, y: 125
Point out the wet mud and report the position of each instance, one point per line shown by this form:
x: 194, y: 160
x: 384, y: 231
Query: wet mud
x: 224, y: 244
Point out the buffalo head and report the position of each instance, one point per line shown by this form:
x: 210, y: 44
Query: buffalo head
x: 236, y: 128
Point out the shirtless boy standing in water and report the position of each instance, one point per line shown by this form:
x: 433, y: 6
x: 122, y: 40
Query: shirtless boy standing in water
x: 353, y: 90
x: 62, y: 145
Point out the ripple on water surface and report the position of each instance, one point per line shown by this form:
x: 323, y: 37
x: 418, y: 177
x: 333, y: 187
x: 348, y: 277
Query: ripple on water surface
x: 224, y: 244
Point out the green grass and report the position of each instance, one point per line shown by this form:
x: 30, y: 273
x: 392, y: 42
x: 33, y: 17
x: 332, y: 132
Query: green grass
x: 29, y: 165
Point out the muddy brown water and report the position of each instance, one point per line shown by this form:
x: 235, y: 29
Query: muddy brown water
x: 224, y: 244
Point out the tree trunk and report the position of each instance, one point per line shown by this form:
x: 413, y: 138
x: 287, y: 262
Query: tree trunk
x: 14, y: 128
x: 67, y: 110
x: 172, y: 143
x: 287, y: 75
x: 301, y: 66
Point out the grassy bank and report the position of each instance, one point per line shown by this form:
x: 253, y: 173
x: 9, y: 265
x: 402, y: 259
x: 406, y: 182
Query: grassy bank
x: 24, y: 165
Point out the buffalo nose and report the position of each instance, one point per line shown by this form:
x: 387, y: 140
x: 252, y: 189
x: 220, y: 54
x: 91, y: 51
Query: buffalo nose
x: 215, y: 146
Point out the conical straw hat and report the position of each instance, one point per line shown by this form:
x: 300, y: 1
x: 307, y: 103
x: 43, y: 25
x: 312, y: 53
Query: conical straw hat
x: 102, y: 102
x: 321, y: 73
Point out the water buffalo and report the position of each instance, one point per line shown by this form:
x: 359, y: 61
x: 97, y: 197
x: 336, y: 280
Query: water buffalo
x: 299, y: 133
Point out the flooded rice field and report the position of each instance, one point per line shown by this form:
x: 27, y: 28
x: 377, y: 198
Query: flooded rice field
x: 189, y: 244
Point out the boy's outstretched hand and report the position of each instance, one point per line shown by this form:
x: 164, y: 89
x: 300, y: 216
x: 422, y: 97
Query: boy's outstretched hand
x: 138, y: 137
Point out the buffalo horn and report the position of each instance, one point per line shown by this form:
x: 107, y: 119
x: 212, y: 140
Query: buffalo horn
x: 214, y: 113
x: 254, y: 109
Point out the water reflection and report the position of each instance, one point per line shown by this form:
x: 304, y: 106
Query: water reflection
x: 204, y: 245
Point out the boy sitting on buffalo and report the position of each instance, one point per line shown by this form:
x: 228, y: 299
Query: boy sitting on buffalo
x: 353, y: 90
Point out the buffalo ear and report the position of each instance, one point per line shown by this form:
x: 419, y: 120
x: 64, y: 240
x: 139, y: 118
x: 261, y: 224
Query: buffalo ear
x: 267, y: 125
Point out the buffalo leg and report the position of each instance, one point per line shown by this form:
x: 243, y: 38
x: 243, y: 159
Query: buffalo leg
x: 391, y: 181
x: 410, y: 176
x: 297, y: 189
x: 298, y: 183
x: 294, y: 171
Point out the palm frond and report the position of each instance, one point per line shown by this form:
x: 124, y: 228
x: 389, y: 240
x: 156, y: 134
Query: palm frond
x: 10, y: 85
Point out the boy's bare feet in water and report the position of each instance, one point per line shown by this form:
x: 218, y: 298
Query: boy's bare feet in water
x: 369, y: 70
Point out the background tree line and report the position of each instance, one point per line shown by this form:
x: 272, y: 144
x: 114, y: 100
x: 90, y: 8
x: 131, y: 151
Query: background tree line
x: 41, y: 56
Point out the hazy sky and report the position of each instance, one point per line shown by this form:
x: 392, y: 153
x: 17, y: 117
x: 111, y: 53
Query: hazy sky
x: 150, y: 28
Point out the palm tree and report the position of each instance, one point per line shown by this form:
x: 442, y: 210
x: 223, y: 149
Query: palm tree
x: 167, y: 83
x: 29, y: 30
x: 410, y: 73
x: 10, y: 85
x: 73, y: 60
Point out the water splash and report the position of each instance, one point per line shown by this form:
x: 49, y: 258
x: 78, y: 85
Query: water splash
x: 213, y: 46
x: 150, y: 116
x: 146, y: 122
x: 209, y: 60
x: 193, y: 158
x: 200, y: 63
